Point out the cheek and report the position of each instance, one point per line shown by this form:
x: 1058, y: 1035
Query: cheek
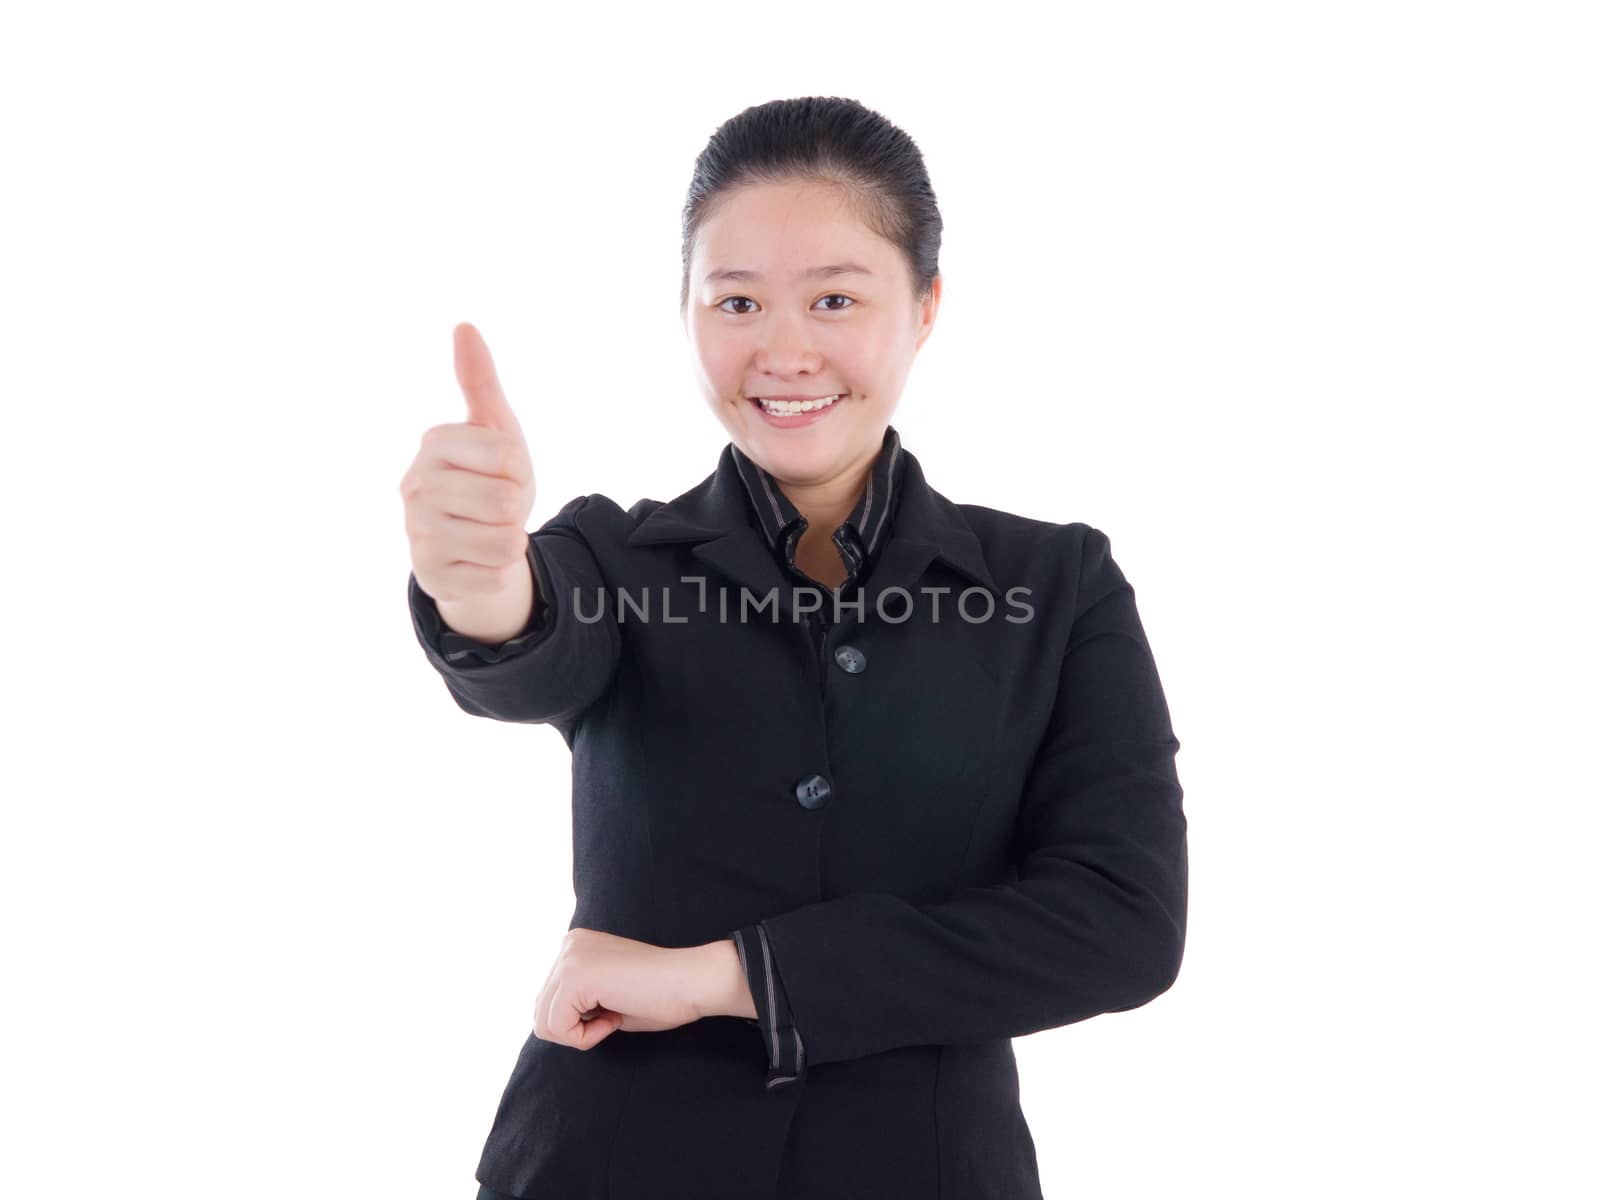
x: 719, y: 357
x: 864, y: 348
x: 861, y: 369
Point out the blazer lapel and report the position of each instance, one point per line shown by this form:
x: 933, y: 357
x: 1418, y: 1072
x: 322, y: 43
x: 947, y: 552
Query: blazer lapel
x: 926, y: 526
x: 715, y: 518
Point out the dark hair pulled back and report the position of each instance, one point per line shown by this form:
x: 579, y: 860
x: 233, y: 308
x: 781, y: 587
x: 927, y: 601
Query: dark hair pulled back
x: 828, y: 139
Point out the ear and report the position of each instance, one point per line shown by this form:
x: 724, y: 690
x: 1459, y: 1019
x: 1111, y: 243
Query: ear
x: 929, y: 310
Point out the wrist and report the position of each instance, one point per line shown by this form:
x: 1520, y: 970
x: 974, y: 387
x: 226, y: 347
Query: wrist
x: 722, y: 989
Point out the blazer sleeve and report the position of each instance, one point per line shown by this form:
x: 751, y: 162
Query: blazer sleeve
x: 560, y: 663
x: 1096, y: 919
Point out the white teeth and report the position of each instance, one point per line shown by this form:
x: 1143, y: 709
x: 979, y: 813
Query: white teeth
x: 788, y: 408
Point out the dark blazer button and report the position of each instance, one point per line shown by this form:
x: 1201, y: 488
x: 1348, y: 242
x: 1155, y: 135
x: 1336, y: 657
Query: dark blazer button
x: 850, y: 659
x: 812, y: 791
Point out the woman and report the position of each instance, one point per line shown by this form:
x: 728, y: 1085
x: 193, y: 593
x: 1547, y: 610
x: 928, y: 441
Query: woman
x: 865, y: 783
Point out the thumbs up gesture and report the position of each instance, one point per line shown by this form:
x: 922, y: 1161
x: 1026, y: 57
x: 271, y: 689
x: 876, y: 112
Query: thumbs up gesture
x: 467, y: 497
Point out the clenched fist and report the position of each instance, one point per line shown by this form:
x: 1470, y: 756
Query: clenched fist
x: 467, y: 497
x: 601, y: 983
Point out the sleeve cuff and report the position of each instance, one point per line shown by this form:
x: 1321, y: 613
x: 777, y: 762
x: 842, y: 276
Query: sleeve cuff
x: 785, y: 1048
x: 462, y: 651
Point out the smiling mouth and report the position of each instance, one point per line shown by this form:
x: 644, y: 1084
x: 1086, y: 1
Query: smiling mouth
x: 792, y: 409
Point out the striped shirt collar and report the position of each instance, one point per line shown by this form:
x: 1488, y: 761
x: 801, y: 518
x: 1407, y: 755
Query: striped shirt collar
x: 721, y: 521
x: 863, y: 531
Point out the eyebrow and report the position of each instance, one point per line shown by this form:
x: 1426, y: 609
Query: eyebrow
x: 827, y: 272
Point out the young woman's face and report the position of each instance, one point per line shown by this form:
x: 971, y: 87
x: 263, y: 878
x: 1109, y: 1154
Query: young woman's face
x: 784, y: 327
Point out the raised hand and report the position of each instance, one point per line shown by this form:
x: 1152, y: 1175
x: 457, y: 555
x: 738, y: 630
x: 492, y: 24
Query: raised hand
x: 467, y: 497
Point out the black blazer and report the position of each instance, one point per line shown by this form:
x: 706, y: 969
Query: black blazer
x: 960, y: 831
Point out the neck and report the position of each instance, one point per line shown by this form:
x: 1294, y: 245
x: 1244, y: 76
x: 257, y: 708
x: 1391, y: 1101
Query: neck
x: 825, y: 505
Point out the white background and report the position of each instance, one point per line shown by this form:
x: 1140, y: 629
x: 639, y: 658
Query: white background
x: 1297, y: 302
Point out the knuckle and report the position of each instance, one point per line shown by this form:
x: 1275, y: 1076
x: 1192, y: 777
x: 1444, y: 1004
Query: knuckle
x: 411, y: 483
x: 503, y: 458
x: 509, y: 502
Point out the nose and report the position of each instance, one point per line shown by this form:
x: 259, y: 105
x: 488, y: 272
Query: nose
x: 786, y: 348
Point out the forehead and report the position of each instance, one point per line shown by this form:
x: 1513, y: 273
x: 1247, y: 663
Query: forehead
x: 787, y: 233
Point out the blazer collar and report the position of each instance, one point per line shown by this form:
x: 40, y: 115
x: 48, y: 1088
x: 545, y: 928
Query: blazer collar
x: 863, y: 529
x: 716, y: 518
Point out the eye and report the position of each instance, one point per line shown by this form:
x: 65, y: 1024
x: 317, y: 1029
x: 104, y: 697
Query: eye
x: 850, y: 303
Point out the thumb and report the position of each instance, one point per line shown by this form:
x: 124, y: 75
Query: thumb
x: 486, y: 402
